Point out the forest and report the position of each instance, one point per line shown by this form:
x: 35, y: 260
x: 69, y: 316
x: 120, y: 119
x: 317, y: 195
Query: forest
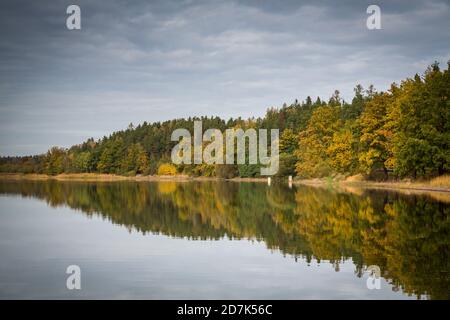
x: 403, y: 132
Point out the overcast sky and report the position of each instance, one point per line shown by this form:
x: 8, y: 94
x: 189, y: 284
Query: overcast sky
x: 135, y: 61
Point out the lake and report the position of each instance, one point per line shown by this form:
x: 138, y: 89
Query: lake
x: 220, y: 240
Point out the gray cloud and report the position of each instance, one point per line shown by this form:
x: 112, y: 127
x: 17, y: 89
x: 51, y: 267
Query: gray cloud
x: 136, y: 61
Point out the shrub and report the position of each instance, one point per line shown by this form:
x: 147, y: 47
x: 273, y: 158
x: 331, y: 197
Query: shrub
x: 226, y: 171
x: 167, y: 169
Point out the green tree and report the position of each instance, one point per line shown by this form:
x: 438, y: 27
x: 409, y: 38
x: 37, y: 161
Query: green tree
x: 136, y: 160
x: 288, y: 142
x: 422, y: 139
x: 288, y: 159
x: 81, y: 161
x: 56, y: 161
x: 110, y: 159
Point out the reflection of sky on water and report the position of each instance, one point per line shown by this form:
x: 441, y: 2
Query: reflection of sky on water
x: 37, y: 243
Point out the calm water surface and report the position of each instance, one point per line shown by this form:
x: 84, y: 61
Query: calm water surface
x: 220, y: 240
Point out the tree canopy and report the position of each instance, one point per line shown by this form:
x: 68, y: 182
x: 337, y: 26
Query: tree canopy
x: 403, y: 132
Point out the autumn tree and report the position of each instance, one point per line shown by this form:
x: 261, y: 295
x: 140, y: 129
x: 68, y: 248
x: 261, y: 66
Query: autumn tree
x: 342, y: 151
x: 56, y: 161
x: 315, y: 141
x: 136, y: 160
x: 109, y: 161
x: 81, y: 161
x: 375, y: 145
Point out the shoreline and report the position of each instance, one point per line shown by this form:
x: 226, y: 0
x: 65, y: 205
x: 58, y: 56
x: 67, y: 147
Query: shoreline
x: 97, y: 177
x: 391, y: 185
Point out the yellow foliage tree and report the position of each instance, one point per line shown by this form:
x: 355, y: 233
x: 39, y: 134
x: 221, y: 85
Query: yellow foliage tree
x: 341, y: 152
x: 167, y: 169
x: 314, y: 143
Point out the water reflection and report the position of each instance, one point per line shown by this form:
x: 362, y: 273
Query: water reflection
x: 406, y: 235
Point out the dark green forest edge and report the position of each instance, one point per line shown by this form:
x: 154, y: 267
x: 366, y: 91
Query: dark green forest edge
x: 406, y: 236
x: 401, y: 133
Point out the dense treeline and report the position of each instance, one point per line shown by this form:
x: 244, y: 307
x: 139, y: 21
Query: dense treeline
x: 404, y: 132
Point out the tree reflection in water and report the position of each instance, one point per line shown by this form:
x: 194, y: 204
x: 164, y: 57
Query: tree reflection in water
x: 406, y: 235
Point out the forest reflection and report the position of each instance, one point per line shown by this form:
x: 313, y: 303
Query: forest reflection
x: 406, y: 235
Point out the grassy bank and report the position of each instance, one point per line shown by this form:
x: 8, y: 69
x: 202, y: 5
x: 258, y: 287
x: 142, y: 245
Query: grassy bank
x: 89, y: 177
x: 439, y: 184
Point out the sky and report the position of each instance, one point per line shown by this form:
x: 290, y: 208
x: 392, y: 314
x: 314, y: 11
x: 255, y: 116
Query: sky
x: 136, y: 61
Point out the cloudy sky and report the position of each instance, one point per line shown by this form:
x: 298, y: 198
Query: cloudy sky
x: 135, y: 61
